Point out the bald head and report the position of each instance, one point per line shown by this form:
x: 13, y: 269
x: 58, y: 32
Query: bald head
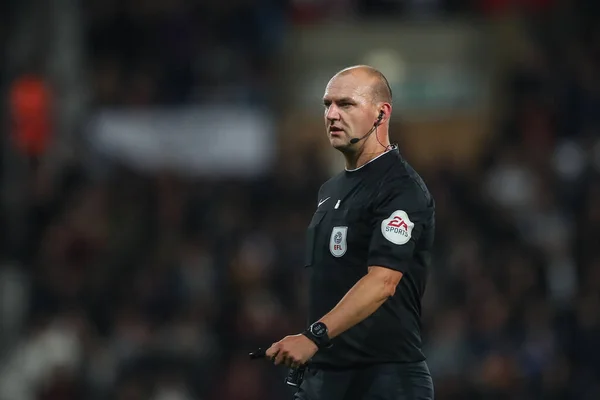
x: 380, y: 90
x: 357, y: 100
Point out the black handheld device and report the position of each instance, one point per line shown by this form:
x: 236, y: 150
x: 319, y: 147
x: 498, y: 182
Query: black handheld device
x: 294, y: 377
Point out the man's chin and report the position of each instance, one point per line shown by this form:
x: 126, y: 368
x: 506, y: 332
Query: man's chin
x: 339, y: 143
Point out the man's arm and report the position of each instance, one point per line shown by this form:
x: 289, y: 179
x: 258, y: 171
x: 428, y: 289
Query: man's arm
x: 362, y: 300
x: 365, y: 297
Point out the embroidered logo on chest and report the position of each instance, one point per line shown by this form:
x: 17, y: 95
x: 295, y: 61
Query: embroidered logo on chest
x: 337, y: 242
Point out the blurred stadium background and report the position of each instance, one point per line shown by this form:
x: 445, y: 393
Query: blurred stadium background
x: 160, y: 160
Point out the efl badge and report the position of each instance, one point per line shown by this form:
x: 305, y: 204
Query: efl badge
x: 337, y: 242
x: 397, y: 228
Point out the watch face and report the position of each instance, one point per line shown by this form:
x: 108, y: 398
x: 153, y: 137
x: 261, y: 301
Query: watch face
x: 319, y: 329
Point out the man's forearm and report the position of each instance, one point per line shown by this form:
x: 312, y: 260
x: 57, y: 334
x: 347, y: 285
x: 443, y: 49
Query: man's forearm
x: 362, y: 300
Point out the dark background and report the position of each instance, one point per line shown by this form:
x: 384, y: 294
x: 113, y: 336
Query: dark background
x: 119, y: 282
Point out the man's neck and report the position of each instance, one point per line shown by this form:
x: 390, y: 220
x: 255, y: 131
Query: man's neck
x: 364, y: 155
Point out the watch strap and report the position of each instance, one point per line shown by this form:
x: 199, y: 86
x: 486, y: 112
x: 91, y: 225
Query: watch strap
x: 322, y: 342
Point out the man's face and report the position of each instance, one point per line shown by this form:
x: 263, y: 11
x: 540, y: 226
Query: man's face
x: 349, y: 109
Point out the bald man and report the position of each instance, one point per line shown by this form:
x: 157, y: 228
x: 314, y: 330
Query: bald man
x: 368, y: 251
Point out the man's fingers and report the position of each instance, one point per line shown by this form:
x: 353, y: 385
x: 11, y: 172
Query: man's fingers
x: 272, y: 351
x: 283, y: 353
x: 280, y: 357
x: 292, y: 362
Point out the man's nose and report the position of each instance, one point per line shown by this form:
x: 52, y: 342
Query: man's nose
x: 333, y: 113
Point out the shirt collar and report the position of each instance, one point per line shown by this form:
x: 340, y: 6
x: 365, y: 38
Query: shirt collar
x: 381, y: 161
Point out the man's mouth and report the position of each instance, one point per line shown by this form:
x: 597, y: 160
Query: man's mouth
x: 335, y: 129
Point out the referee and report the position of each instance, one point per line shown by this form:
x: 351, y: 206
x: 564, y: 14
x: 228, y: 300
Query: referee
x: 368, y: 252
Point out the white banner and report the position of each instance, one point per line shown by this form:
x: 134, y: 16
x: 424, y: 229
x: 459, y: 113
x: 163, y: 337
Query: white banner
x: 213, y: 141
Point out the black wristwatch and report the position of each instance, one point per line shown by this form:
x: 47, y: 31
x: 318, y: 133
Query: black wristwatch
x: 318, y: 333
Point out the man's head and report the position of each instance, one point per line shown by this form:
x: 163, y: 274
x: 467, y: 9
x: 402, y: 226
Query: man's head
x: 353, y: 100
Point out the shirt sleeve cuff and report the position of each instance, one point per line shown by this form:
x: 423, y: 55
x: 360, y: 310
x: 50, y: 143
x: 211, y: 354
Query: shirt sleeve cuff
x: 387, y: 262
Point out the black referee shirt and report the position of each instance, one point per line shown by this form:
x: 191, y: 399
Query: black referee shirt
x: 380, y: 214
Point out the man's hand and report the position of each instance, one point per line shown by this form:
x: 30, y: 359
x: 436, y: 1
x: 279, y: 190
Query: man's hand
x: 292, y: 351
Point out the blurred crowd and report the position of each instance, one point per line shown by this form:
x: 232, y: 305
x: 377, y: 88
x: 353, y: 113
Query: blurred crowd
x: 144, y: 53
x: 153, y: 286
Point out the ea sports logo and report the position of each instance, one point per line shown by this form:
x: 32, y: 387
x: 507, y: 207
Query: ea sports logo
x: 398, y: 222
x: 397, y: 228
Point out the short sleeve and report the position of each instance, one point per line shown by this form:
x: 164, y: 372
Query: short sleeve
x: 400, y: 217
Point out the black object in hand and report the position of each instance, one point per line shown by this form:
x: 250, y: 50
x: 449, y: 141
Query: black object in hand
x: 294, y: 377
x: 260, y: 353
